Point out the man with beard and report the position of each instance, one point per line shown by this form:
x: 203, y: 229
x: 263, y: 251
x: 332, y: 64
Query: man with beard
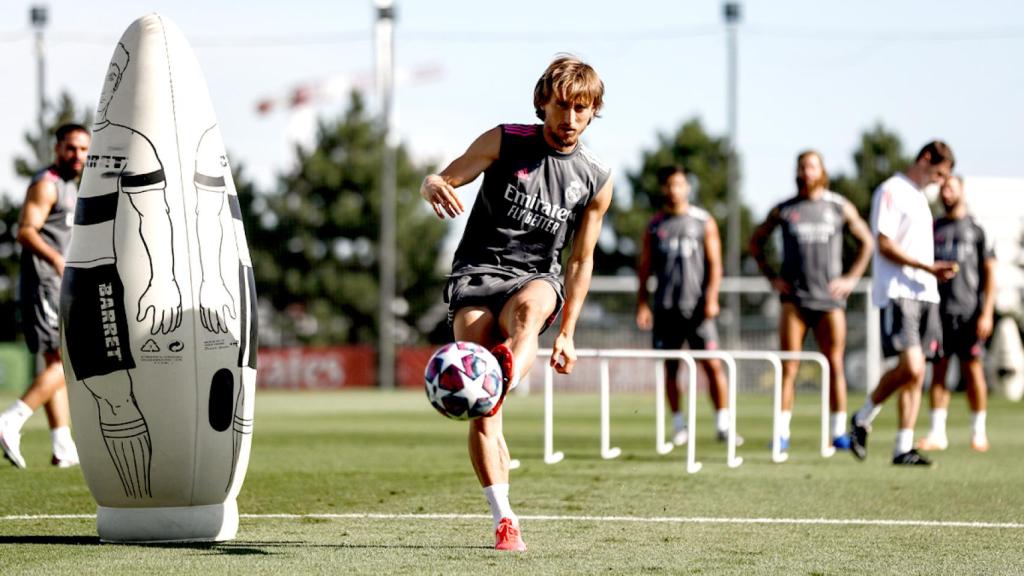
x: 44, y: 231
x: 966, y: 309
x: 811, y: 284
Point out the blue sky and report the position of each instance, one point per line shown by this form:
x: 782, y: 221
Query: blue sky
x: 812, y: 73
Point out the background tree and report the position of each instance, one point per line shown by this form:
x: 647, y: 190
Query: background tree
x: 705, y: 158
x: 878, y: 156
x: 314, y: 240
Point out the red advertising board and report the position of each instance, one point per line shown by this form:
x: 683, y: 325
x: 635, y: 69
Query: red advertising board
x: 308, y: 368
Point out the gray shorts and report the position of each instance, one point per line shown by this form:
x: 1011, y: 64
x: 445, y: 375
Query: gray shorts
x: 672, y: 329
x: 494, y: 288
x: 40, y: 317
x: 908, y: 323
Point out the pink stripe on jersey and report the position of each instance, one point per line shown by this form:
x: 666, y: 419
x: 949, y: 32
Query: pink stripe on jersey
x: 521, y: 129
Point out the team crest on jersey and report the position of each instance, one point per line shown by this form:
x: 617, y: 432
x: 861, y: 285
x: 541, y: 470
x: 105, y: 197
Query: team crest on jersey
x: 574, y: 192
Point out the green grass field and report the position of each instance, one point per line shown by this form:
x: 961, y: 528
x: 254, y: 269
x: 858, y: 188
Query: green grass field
x: 390, y: 456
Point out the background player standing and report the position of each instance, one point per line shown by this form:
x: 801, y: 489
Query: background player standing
x: 541, y: 187
x: 966, y: 308
x: 811, y: 284
x: 44, y: 231
x: 905, y: 288
x: 683, y: 249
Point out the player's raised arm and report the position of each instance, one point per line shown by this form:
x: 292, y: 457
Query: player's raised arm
x: 577, y: 278
x: 439, y: 189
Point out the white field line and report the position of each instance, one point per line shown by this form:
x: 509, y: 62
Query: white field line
x: 569, y: 518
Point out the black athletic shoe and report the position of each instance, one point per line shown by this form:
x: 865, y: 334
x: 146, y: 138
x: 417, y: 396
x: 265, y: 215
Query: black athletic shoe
x: 858, y: 439
x: 912, y: 458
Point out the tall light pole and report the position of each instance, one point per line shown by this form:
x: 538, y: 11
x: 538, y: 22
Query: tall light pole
x: 384, y: 34
x: 38, y: 16
x: 731, y: 12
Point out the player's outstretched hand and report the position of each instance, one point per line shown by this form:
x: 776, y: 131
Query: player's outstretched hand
x: 563, y: 354
x: 441, y: 196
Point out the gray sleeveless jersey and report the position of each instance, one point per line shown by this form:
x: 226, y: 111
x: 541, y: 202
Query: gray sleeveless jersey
x: 962, y: 241
x: 678, y: 260
x: 812, y: 248
x: 56, y: 230
x: 529, y: 205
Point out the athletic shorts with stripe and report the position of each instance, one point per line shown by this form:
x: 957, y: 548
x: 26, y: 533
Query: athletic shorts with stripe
x: 907, y: 323
x: 39, y: 318
x: 494, y: 288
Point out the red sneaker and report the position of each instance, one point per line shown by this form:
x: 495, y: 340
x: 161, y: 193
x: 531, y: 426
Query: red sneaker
x: 503, y: 354
x: 508, y: 537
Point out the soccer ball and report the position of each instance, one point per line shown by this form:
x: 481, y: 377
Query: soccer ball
x: 464, y: 381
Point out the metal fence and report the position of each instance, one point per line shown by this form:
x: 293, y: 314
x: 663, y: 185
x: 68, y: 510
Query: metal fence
x: 608, y: 322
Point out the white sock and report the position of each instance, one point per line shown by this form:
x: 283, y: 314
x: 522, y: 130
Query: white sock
x: 678, y: 421
x: 938, y: 423
x: 497, y: 498
x: 722, y: 420
x: 17, y: 414
x: 866, y: 415
x: 60, y: 439
x: 978, y: 423
x: 838, y: 422
x: 904, y: 441
x: 784, y: 419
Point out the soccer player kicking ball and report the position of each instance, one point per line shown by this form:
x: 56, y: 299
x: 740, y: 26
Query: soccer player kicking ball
x: 966, y: 309
x: 905, y: 287
x: 541, y: 186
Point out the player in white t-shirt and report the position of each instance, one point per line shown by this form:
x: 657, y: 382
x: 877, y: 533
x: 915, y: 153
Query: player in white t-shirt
x: 905, y: 276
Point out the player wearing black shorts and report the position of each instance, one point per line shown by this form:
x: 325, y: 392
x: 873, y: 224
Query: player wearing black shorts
x: 966, y: 309
x: 905, y: 280
x: 811, y: 284
x: 44, y: 231
x: 683, y: 249
x: 541, y: 188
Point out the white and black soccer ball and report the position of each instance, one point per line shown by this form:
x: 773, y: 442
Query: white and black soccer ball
x: 463, y: 381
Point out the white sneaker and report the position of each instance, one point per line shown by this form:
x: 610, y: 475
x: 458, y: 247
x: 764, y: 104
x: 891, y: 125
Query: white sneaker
x: 681, y: 437
x: 10, y: 442
x: 65, y: 456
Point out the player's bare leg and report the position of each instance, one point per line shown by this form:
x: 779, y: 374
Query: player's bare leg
x: 487, y: 449
x: 977, y: 398
x: 718, y: 389
x: 792, y: 331
x: 907, y: 376
x: 831, y: 336
x: 47, y: 389
x: 680, y: 434
x: 939, y: 395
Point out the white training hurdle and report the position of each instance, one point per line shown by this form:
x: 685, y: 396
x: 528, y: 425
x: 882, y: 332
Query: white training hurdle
x: 689, y: 357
